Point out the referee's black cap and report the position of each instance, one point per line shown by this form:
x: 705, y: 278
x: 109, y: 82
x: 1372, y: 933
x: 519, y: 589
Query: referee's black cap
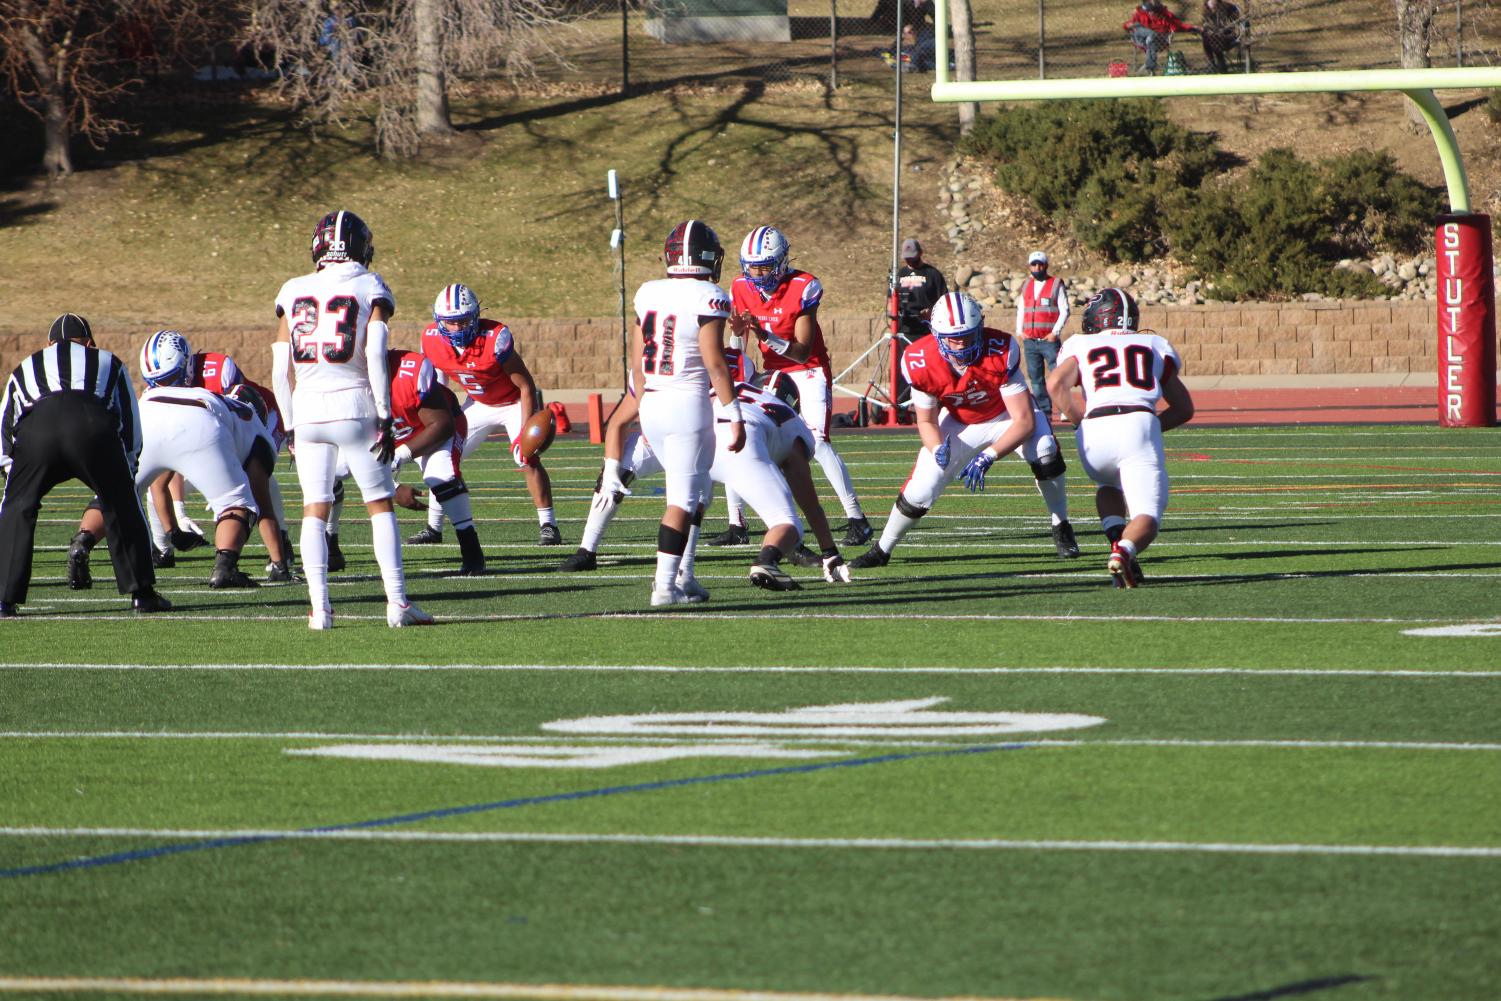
x: 70, y: 327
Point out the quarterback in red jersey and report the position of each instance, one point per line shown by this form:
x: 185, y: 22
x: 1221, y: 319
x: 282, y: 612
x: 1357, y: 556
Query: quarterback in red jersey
x: 778, y: 305
x: 972, y: 407
x: 481, y: 357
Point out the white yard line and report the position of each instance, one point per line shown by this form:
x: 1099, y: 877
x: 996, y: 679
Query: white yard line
x: 733, y: 841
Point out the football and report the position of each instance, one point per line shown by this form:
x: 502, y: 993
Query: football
x: 537, y: 433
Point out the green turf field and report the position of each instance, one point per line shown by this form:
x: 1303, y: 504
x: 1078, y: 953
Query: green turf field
x: 1272, y: 772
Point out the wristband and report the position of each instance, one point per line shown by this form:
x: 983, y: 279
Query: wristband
x: 778, y: 344
x: 728, y: 412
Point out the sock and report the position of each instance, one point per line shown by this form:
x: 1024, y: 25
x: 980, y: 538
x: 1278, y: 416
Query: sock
x: 335, y: 513
x: 434, y: 512
x: 897, y: 525
x: 277, y: 508
x: 160, y: 538
x: 1114, y: 526
x: 1055, y: 496
x: 839, y: 478
x: 545, y: 516
x: 690, y: 551
x: 180, y: 508
x: 1128, y: 547
x: 460, y: 511
x: 387, y: 540
x: 601, y: 512
x: 314, y: 550
x: 735, y: 507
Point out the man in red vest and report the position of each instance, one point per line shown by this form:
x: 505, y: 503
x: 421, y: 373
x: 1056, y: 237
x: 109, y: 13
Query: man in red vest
x: 1041, y: 312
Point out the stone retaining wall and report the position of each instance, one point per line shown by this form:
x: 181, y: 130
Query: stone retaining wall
x: 1318, y: 338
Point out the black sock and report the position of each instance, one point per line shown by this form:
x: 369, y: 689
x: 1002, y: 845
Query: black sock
x: 769, y: 556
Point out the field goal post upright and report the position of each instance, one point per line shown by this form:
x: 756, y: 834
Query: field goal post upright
x: 1463, y: 247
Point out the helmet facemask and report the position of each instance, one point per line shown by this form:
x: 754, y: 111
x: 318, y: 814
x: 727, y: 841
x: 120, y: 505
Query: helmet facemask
x: 968, y: 352
x: 764, y: 247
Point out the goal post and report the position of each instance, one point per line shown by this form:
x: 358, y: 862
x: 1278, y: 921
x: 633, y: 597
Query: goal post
x: 1463, y: 251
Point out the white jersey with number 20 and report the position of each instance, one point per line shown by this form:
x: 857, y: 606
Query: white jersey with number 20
x: 1123, y: 369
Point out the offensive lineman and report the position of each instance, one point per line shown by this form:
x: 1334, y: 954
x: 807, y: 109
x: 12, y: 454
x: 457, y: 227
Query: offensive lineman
x: 333, y: 330
x: 973, y: 372
x: 1123, y: 372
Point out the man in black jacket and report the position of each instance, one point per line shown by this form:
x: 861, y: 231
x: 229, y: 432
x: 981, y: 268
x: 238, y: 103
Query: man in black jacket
x: 918, y: 286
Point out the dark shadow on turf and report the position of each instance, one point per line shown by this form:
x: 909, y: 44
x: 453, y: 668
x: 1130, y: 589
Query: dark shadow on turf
x: 1301, y: 988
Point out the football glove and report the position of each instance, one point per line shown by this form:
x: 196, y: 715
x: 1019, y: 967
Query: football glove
x: 835, y: 570
x: 611, y: 483
x: 941, y: 454
x: 384, y: 448
x: 185, y: 541
x: 974, y: 473
x: 516, y: 456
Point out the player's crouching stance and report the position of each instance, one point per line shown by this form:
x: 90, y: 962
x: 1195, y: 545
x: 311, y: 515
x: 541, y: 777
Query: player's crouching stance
x: 973, y: 373
x: 1124, y: 373
x: 333, y: 330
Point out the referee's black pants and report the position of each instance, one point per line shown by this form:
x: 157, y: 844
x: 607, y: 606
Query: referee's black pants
x: 64, y: 437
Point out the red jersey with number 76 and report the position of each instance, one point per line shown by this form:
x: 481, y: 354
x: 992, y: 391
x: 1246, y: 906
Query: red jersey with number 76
x: 977, y: 394
x: 479, y: 368
x: 414, y: 386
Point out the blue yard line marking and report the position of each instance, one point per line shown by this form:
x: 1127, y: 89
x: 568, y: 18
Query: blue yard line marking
x: 142, y: 854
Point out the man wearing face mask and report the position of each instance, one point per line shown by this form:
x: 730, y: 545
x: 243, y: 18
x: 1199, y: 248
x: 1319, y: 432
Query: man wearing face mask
x: 1041, y: 312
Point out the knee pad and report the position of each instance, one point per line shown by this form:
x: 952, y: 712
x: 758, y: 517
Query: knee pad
x: 449, y: 489
x: 909, y: 509
x: 1046, y: 469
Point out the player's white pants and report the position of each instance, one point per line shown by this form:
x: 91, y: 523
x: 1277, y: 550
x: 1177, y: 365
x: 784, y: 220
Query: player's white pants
x: 679, y: 427
x: 927, y: 482
x: 756, y: 478
x: 1125, y: 451
x: 816, y: 406
x: 320, y: 447
x: 484, y: 418
x: 439, y: 470
x: 188, y: 439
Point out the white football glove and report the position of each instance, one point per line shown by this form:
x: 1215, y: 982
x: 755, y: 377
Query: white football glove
x: 610, y: 481
x: 835, y: 570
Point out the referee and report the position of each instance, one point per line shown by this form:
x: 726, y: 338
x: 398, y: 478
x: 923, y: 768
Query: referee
x: 69, y: 413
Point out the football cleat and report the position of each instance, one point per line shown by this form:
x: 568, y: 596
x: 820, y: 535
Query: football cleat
x: 772, y: 578
x: 1064, y: 541
x: 858, y: 533
x: 163, y: 559
x: 581, y: 560
x: 875, y: 556
x: 671, y: 596
x: 733, y: 535
x: 227, y: 572
x: 693, y: 592
x: 1124, y: 570
x: 802, y: 556
x: 280, y: 573
x: 400, y: 616
x: 336, y: 560
x: 320, y: 618
x: 147, y: 602
x: 8, y: 610
x: 79, y: 578
x: 429, y: 536
x: 550, y: 536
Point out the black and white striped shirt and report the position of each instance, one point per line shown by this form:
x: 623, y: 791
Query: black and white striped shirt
x: 70, y: 367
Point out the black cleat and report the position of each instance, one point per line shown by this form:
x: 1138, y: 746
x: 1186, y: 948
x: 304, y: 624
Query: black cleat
x: 335, y: 554
x: 147, y: 602
x: 79, y: 578
x: 733, y: 535
x: 802, y: 556
x: 186, y: 541
x: 163, y: 559
x: 429, y: 536
x: 1064, y: 541
x: 550, y: 536
x: 280, y: 573
x: 772, y: 578
x: 227, y: 572
x: 8, y: 610
x: 858, y: 533
x: 875, y: 556
x: 581, y: 560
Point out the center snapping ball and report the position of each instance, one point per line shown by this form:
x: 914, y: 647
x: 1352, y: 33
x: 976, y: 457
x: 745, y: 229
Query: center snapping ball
x: 537, y: 433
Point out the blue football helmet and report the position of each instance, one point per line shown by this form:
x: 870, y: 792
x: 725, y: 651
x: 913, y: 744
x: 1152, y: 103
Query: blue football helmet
x: 764, y: 245
x: 456, y: 312
x: 167, y: 359
x: 958, y: 317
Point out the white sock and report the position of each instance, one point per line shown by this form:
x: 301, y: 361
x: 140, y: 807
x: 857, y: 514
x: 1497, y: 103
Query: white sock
x: 545, y: 516
x: 314, y: 550
x: 159, y: 535
x: 897, y: 525
x: 459, y: 510
x: 335, y: 516
x: 838, y: 476
x: 1055, y: 496
x: 180, y: 508
x: 1128, y: 547
x: 388, y: 554
x: 434, y: 512
x: 601, y: 512
x: 690, y: 552
x: 667, y: 570
x: 277, y: 508
x: 734, y: 507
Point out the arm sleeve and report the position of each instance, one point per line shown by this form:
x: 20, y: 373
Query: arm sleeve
x: 376, y: 335
x: 281, y: 381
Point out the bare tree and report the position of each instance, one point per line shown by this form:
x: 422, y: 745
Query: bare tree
x: 1414, y: 33
x: 393, y: 61
x: 962, y: 19
x: 69, y: 62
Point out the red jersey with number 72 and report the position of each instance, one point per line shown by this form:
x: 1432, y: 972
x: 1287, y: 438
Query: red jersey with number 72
x: 479, y: 368
x: 977, y: 394
x: 1122, y: 369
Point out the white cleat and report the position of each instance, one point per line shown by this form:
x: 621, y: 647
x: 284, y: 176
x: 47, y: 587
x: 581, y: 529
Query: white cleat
x: 672, y: 596
x: 693, y: 592
x: 399, y: 616
x: 772, y: 578
x: 320, y: 618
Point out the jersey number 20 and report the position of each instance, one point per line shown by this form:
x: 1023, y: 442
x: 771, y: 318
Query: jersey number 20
x: 1105, y: 367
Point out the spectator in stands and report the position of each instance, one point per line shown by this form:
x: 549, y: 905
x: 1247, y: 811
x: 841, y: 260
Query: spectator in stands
x: 1220, y: 32
x: 1151, y: 28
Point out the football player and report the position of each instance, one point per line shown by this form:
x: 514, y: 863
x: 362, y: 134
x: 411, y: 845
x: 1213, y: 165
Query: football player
x: 481, y: 356
x: 333, y: 333
x: 771, y: 472
x: 777, y: 305
x: 1124, y: 373
x: 972, y: 407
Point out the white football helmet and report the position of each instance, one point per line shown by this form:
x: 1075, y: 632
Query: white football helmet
x: 762, y: 246
x: 167, y: 359
x: 456, y: 312
x: 958, y: 317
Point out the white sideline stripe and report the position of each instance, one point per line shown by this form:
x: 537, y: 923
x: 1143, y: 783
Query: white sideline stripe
x: 733, y: 841
x: 758, y: 669
x: 416, y: 989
